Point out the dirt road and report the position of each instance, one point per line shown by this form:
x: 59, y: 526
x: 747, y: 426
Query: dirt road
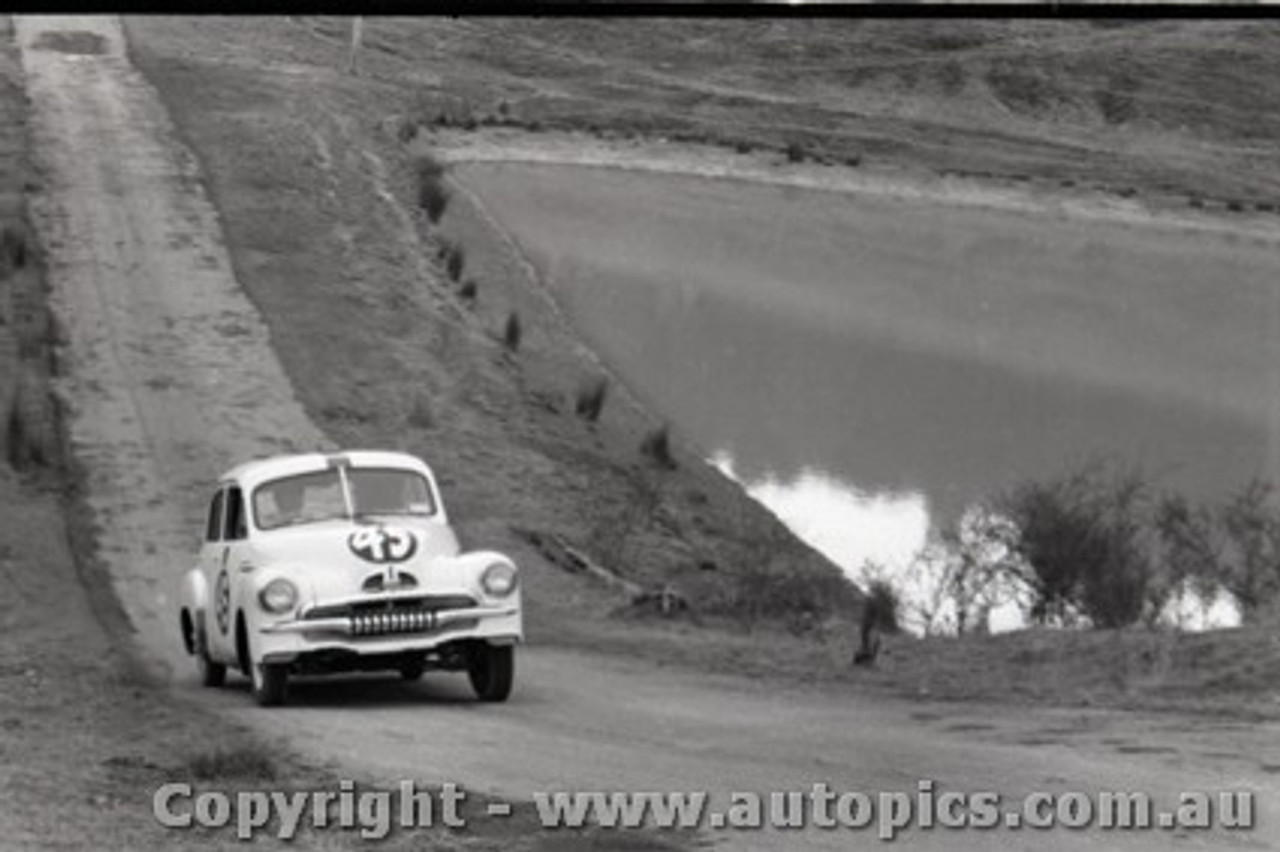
x: 169, y: 377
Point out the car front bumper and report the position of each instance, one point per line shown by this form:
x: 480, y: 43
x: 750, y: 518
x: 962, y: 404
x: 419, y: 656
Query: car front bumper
x: 379, y: 634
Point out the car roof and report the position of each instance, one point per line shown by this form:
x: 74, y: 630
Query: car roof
x: 253, y: 472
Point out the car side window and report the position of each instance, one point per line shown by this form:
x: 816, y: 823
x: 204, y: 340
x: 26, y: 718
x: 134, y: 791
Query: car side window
x: 236, y: 526
x: 213, y: 532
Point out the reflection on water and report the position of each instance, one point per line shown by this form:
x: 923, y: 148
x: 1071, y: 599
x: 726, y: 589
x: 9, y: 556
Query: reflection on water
x: 848, y: 526
x: 867, y: 366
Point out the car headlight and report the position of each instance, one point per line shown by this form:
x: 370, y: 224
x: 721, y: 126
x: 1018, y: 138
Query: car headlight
x: 278, y: 596
x: 499, y: 579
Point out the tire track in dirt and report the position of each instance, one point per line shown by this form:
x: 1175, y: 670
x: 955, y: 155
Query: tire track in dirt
x: 168, y: 376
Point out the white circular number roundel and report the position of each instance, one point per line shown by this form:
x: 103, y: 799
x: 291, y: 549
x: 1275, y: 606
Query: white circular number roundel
x: 382, y: 544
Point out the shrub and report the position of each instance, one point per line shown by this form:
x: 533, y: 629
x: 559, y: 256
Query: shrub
x: 512, y: 332
x: 469, y: 290
x: 407, y: 131
x: 31, y: 428
x: 656, y: 446
x: 1250, y: 568
x: 589, y: 399
x: 880, y: 614
x: 743, y: 147
x: 433, y: 194
x: 795, y: 152
x: 882, y: 606
x: 421, y: 415
x: 455, y: 260
x: 1084, y: 536
x: 13, y: 252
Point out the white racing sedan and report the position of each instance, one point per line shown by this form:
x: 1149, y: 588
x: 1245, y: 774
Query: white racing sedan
x: 322, y: 563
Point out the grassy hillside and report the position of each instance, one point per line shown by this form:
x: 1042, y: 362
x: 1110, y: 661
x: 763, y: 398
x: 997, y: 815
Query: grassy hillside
x: 1175, y: 109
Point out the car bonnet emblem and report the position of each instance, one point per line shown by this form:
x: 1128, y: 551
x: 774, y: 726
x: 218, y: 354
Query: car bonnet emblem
x: 382, y: 544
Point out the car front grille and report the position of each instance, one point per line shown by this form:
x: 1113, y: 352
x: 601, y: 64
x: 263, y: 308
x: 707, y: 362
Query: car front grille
x: 380, y: 624
x: 402, y: 615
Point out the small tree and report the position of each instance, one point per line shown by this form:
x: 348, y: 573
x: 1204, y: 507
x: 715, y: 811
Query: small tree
x: 1191, y: 550
x: 1251, y: 523
x: 1085, y: 538
x: 880, y: 615
x: 433, y: 194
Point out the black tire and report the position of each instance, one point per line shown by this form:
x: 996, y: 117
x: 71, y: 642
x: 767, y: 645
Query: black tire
x: 211, y: 674
x: 492, y: 670
x: 410, y: 672
x: 270, y: 683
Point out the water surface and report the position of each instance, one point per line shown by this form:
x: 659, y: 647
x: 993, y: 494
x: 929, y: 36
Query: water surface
x: 866, y: 365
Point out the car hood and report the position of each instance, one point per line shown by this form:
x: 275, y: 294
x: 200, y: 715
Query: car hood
x: 338, y: 559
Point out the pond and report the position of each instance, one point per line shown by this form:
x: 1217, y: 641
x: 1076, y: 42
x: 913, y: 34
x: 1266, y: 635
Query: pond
x: 868, y: 366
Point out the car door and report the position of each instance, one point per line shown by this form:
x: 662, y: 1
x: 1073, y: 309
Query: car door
x: 213, y: 554
x: 235, y: 556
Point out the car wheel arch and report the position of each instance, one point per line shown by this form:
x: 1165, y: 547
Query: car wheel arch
x: 188, y: 631
x: 242, y: 643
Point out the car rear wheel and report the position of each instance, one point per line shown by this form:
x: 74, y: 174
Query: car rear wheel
x: 492, y: 669
x: 409, y: 672
x: 270, y: 683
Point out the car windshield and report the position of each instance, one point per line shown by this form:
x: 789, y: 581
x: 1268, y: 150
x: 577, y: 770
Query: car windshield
x: 385, y: 491
x: 312, y: 497
x: 299, y: 500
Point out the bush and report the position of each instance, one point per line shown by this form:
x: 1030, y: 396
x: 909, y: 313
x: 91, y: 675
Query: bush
x: 795, y: 153
x: 421, y: 416
x: 31, y: 428
x: 656, y: 446
x: 455, y: 260
x: 433, y: 194
x: 407, y: 131
x: 469, y: 290
x: 13, y: 252
x: 1250, y: 567
x: 589, y: 399
x: 512, y: 332
x: 1085, y: 538
x: 1234, y: 546
x: 882, y: 607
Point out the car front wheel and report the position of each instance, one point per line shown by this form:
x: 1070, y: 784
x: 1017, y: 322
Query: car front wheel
x: 211, y: 674
x: 491, y: 669
x: 270, y: 683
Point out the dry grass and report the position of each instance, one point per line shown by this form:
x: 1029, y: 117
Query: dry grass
x: 242, y: 763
